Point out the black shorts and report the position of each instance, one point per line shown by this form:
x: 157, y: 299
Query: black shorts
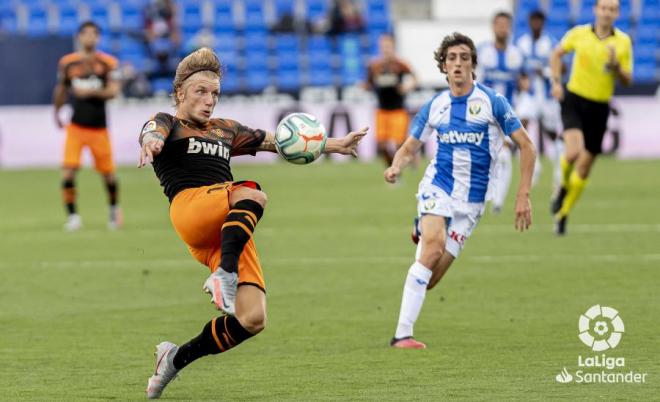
x: 588, y: 116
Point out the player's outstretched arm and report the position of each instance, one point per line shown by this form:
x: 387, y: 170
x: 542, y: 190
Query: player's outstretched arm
x: 402, y: 158
x: 346, y: 145
x: 527, y: 159
x: 152, y: 143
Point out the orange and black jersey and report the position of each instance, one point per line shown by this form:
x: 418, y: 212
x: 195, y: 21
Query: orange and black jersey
x: 78, y: 71
x: 385, y: 77
x: 195, y: 156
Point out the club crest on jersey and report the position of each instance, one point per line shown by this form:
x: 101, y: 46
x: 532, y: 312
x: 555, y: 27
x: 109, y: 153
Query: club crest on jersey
x: 208, y: 148
x: 474, y: 108
x: 221, y: 133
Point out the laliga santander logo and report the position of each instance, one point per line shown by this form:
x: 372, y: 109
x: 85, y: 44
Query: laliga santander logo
x: 600, y: 328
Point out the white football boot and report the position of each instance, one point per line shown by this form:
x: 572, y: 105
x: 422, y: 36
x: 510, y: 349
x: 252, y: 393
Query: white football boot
x: 73, y: 223
x: 222, y: 286
x: 165, y: 371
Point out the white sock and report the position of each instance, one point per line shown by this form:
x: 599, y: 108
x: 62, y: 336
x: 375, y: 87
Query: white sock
x: 414, y: 291
x: 503, y: 176
x: 537, y: 171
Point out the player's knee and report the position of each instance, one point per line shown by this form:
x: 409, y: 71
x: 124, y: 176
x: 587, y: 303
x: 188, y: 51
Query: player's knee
x: 247, y: 193
x: 254, y: 321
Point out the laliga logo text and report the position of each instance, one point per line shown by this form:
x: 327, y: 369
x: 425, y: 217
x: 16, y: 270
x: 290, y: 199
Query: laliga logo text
x: 601, y: 328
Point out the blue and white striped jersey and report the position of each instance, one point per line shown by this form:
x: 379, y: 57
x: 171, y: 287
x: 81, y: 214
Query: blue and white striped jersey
x: 537, y: 54
x: 470, y: 131
x: 499, y: 69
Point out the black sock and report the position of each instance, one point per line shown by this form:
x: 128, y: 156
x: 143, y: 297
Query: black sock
x: 111, y: 187
x: 219, y: 335
x: 69, y: 196
x: 237, y: 230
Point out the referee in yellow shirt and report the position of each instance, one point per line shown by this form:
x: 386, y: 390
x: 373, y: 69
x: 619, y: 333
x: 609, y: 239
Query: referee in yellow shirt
x: 603, y: 54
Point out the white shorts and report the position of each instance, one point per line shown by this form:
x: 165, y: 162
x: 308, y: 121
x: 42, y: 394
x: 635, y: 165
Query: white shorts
x: 544, y: 109
x: 462, y: 216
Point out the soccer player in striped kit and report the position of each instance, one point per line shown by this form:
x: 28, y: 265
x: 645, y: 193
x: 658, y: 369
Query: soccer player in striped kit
x: 469, y: 122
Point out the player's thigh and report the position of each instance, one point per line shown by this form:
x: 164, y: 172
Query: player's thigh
x: 101, y: 148
x: 73, y: 145
x: 398, y: 122
x: 465, y: 220
x: 198, y: 214
x: 382, y: 127
x: 595, y: 127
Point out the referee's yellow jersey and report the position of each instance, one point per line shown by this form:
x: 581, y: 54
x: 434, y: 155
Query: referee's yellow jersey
x: 590, y: 77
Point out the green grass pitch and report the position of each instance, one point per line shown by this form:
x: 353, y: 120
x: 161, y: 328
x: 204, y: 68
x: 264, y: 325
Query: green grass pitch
x: 81, y: 312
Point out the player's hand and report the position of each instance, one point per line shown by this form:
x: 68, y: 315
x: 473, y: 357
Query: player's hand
x: 523, y: 212
x: 557, y: 91
x: 348, y: 144
x: 612, y: 64
x: 391, y: 174
x: 150, y: 148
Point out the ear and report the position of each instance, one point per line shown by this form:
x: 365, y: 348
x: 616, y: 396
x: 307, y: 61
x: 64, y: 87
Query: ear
x: 180, y: 94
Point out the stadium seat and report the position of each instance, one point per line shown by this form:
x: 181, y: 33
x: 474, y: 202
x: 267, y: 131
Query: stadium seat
x: 37, y: 23
x: 287, y: 59
x: 225, y: 41
x: 254, y: 21
x: 288, y: 80
x: 162, y: 86
x: 256, y: 60
x: 256, y: 80
x: 378, y: 21
x: 646, y: 32
x: 8, y: 20
x: 256, y: 41
x: 229, y: 58
x: 68, y: 18
x: 321, y: 76
x: 319, y: 52
x: 286, y: 42
x: 231, y: 81
x: 223, y: 17
x: 191, y: 15
x: 282, y: 8
x: 644, y: 72
x: 131, y: 17
x: 100, y: 15
x: 316, y: 9
x: 139, y: 61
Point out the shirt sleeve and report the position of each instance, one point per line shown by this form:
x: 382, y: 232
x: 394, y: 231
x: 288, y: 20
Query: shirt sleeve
x: 247, y: 140
x: 419, y: 127
x: 160, y: 123
x: 569, y: 40
x: 504, y: 115
x: 626, y: 57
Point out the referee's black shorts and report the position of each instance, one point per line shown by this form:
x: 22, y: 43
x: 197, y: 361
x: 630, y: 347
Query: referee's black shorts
x: 588, y: 116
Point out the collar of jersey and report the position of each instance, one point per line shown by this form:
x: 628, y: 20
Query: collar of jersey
x: 463, y: 97
x: 593, y: 29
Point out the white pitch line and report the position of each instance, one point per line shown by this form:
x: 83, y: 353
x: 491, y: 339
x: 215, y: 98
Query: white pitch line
x: 310, y: 261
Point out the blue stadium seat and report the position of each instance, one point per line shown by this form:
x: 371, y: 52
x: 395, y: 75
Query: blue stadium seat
x: 559, y: 15
x: 256, y: 59
x: 624, y: 25
x: 128, y: 44
x: 316, y: 9
x: 378, y: 21
x: 583, y: 18
x: 320, y: 76
x: 68, y: 16
x: 161, y: 86
x: 254, y: 21
x: 107, y: 44
x: 228, y: 58
x: 349, y: 45
x: 286, y: 42
x: 644, y: 72
x: 557, y: 30
x: 646, y: 32
x: 100, y: 15
x: 37, y: 23
x: 256, y: 41
x: 287, y: 59
x: 224, y: 15
x: 191, y: 15
x: 650, y: 11
x: 231, y: 81
x: 8, y: 20
x: 256, y: 80
x: 319, y: 52
x: 225, y: 41
x: 138, y: 60
x: 283, y: 7
x: 131, y: 17
x: 288, y: 80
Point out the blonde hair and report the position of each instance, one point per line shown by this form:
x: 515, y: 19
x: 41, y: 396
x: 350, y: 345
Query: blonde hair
x: 203, y: 59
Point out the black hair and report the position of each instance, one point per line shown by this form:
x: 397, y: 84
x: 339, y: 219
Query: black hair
x: 88, y: 24
x: 504, y: 14
x: 537, y: 14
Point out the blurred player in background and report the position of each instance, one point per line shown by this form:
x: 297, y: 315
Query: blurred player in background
x: 501, y: 63
x: 214, y: 215
x: 89, y: 78
x: 603, y: 55
x: 470, y: 122
x: 541, y: 106
x: 391, y: 78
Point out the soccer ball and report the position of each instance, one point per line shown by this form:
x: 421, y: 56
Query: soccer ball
x: 300, y: 138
